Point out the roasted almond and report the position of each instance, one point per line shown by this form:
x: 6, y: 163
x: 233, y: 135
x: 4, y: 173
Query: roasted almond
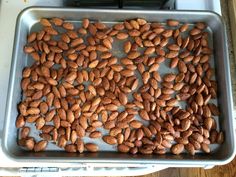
x: 95, y: 134
x: 123, y: 148
x: 172, y: 22
x: 91, y: 147
x: 177, y: 148
x: 109, y: 139
x: 40, y: 146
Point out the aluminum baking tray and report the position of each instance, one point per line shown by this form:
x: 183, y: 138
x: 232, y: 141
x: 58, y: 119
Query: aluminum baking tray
x: 28, y: 21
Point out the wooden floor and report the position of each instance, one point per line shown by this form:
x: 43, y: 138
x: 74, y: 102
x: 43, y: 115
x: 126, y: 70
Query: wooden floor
x: 228, y: 170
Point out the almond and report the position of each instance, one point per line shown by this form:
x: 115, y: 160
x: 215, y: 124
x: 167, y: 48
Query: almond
x: 85, y: 23
x: 122, y: 36
x: 24, y: 133
x: 127, y: 46
x: 57, y: 21
x: 127, y: 73
x: 40, y: 146
x: 169, y: 77
x: 29, y: 144
x: 184, y: 27
x: 95, y: 134
x: 177, y: 149
x: 136, y: 124
x: 144, y: 115
x: 80, y: 146
x: 31, y: 37
x: 68, y: 26
x: 167, y: 33
x: 199, y: 99
x: 172, y: 22
x: 28, y: 49
x: 123, y: 148
x: 123, y: 98
x: 190, y: 148
x: 172, y: 54
x: 70, y: 148
x: 107, y: 43
x: 173, y: 47
x: 20, y: 121
x: 133, y: 55
x: 119, y: 26
x: 195, y: 31
x: 109, y: 139
x: 45, y: 22
x: 91, y: 147
x: 205, y: 148
x: 182, y: 67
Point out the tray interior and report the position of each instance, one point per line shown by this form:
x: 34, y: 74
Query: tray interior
x: 28, y: 22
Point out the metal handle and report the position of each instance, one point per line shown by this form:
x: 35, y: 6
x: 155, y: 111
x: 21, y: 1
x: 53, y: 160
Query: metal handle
x: 82, y: 171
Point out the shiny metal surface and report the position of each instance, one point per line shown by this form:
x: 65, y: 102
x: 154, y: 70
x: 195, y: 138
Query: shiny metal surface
x: 30, y: 17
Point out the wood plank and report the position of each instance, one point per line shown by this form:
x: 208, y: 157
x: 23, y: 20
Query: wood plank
x: 232, y: 17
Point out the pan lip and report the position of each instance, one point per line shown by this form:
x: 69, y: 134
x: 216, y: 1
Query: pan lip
x: 149, y: 11
x: 158, y: 161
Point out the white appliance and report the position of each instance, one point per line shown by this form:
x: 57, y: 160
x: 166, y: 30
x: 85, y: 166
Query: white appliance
x: 9, y: 10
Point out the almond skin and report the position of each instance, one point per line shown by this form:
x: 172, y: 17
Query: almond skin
x: 172, y: 22
x: 45, y: 22
x: 20, y: 121
x: 133, y: 55
x: 95, y: 134
x: 91, y: 147
x: 127, y: 46
x: 40, y: 146
x: 123, y: 148
x: 123, y: 98
x: 177, y: 149
x: 109, y: 139
x: 144, y: 115
x: 136, y: 124
x: 29, y: 144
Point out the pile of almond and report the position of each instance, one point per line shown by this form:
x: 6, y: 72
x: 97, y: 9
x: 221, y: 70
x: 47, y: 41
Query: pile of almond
x: 78, y: 85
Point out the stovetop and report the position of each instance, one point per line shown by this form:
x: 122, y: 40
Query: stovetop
x: 122, y: 4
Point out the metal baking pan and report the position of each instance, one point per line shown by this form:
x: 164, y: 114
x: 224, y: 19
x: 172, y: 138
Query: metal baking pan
x: 28, y: 21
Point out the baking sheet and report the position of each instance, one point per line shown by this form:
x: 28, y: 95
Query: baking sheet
x: 28, y: 21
